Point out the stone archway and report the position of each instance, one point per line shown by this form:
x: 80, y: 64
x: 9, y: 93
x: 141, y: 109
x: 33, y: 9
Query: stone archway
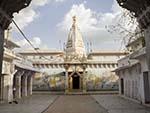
x: 75, y: 81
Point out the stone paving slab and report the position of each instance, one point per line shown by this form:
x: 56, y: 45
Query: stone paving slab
x: 34, y: 104
x: 75, y: 104
x: 117, y: 104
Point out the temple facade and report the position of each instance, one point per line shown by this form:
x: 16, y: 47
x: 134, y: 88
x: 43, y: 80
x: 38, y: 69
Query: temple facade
x: 73, y: 69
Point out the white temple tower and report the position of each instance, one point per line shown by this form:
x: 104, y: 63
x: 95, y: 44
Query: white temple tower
x: 75, y: 49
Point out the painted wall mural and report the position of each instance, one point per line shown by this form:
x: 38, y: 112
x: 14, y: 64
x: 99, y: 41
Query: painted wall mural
x: 105, y: 80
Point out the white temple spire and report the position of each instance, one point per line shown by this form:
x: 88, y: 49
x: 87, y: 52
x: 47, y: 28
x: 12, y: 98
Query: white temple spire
x: 75, y: 49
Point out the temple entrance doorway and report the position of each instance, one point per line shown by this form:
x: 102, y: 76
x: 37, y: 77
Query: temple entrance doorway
x: 76, y: 81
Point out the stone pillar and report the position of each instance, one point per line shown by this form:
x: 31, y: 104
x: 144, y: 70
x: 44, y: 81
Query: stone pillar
x: 120, y: 89
x: 66, y: 79
x: 1, y: 61
x: 17, y: 86
x: 126, y: 86
x: 70, y: 82
x: 7, y: 89
x: 84, y: 79
x: 147, y: 40
x: 29, y: 85
x: 66, y: 83
x: 24, y: 85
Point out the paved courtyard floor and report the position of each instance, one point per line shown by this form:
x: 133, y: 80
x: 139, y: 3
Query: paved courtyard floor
x: 76, y: 104
x: 34, y: 104
x: 95, y: 104
x: 43, y: 103
x: 117, y: 104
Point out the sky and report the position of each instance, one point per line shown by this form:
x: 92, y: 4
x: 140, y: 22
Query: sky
x: 47, y: 22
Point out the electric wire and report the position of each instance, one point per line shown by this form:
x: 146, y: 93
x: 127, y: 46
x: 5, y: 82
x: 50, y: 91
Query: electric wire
x: 22, y: 33
x: 30, y: 43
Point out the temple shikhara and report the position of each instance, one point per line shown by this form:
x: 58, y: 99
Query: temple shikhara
x: 74, y: 69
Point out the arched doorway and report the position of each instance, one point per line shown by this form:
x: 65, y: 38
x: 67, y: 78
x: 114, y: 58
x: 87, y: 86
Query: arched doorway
x: 76, y: 81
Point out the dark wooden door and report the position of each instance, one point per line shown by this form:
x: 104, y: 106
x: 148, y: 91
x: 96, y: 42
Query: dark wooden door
x: 76, y: 82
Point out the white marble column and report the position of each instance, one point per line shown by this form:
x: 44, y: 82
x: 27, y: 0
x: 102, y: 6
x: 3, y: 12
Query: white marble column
x: 18, y: 86
x: 66, y: 83
x: 132, y: 89
x: 66, y: 79
x: 84, y: 79
x: 24, y: 85
x: 7, y: 89
x: 29, y: 85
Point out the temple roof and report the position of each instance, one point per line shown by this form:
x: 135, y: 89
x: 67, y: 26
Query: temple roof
x: 75, y: 44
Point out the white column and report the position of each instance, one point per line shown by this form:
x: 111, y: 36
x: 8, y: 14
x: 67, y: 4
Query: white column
x: 66, y: 66
x: 84, y: 82
x: 132, y: 89
x: 24, y: 85
x: 29, y: 85
x: 125, y: 87
x: 84, y: 79
x: 129, y: 88
x: 7, y: 90
x: 66, y: 82
x: 18, y: 86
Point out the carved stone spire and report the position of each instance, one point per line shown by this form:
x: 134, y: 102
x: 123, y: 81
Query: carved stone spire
x: 75, y: 49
